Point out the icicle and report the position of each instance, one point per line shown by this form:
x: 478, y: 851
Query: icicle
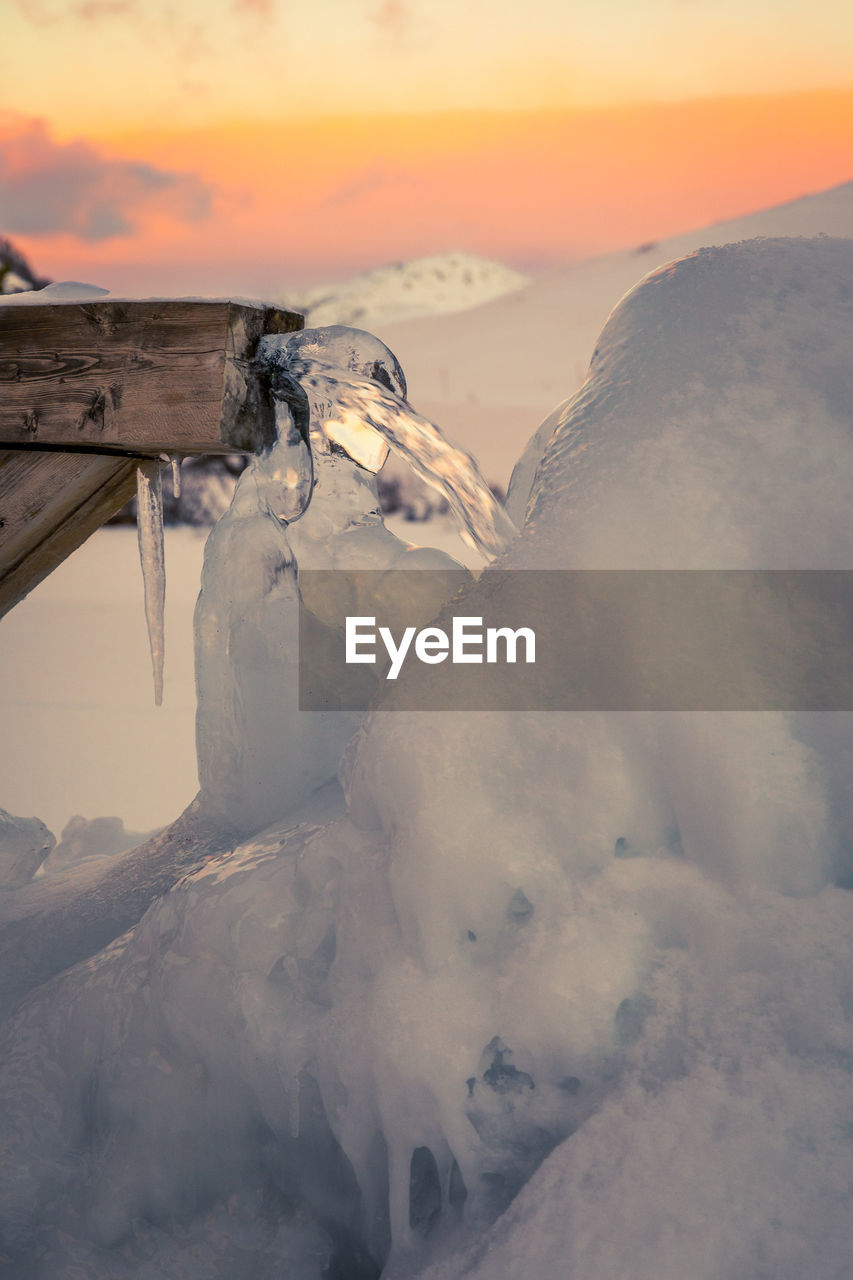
x: 175, y: 463
x: 149, y: 526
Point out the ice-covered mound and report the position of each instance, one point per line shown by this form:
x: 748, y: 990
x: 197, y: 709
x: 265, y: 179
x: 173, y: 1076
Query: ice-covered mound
x: 85, y: 838
x: 266, y: 1070
x: 441, y: 284
x: 713, y: 431
x: 713, y: 428
x: 726, y: 1151
x: 269, y: 1028
x: 24, y: 845
x: 559, y: 993
x: 184, y: 1158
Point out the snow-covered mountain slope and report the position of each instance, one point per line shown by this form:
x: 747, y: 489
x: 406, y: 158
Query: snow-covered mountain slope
x: 440, y: 284
x: 489, y: 375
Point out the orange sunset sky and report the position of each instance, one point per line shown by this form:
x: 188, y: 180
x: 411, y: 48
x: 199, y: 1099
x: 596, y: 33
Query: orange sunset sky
x: 251, y: 146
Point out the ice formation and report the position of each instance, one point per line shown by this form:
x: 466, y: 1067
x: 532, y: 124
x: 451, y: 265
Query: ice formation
x: 449, y: 470
x: 175, y: 467
x: 149, y: 523
x: 306, y: 502
x: 556, y: 994
x: 347, y: 397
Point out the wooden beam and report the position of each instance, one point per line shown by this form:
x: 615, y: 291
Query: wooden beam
x: 143, y: 378
x: 89, y: 390
x: 49, y: 504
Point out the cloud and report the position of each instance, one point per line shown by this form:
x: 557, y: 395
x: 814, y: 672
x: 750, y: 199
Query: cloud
x: 93, y: 10
x: 394, y: 17
x: 48, y: 186
x: 43, y: 13
x: 255, y: 8
x: 365, y: 183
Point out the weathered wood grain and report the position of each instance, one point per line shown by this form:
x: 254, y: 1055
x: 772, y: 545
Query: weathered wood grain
x: 145, y: 377
x: 49, y: 504
x: 125, y: 381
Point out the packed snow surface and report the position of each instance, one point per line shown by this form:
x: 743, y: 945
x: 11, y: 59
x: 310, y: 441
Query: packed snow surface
x: 548, y: 994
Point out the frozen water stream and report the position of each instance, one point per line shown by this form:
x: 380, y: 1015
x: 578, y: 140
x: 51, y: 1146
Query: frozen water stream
x: 310, y: 501
x: 353, y: 402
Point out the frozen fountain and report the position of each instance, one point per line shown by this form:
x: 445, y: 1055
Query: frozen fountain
x: 309, y: 502
x: 551, y: 993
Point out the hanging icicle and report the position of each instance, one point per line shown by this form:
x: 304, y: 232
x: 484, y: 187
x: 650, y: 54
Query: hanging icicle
x: 175, y: 463
x: 149, y: 525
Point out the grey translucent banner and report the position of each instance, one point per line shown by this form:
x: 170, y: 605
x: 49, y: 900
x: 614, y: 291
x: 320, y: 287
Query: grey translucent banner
x: 700, y: 640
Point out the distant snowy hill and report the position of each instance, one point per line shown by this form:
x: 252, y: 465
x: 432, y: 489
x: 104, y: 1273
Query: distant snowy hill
x: 437, y: 285
x: 490, y: 375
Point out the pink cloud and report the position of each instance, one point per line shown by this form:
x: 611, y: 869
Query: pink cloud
x: 393, y: 16
x: 256, y: 8
x: 48, y: 186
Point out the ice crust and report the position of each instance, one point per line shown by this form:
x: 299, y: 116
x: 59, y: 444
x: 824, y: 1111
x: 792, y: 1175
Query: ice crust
x: 555, y: 994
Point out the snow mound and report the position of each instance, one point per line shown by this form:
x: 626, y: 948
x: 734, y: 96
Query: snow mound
x: 437, y: 285
x: 733, y: 442
x: 62, y: 291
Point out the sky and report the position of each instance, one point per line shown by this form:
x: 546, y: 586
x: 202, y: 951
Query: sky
x: 251, y: 146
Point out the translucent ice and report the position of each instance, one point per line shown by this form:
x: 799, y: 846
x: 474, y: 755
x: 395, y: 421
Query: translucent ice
x: 246, y: 640
x: 306, y: 502
x: 357, y: 394
x: 451, y: 471
x: 175, y: 464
